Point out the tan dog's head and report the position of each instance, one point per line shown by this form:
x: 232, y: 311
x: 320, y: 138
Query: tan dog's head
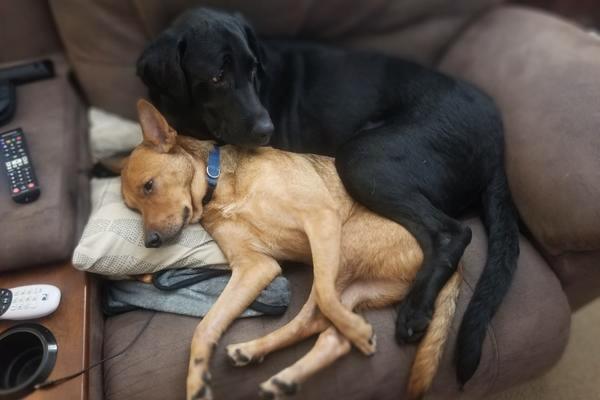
x: 161, y: 180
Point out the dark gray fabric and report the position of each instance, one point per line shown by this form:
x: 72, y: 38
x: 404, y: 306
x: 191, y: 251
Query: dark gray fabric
x: 54, y: 120
x: 193, y: 299
x: 527, y: 336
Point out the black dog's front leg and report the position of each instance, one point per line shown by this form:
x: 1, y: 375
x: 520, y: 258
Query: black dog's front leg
x: 381, y: 172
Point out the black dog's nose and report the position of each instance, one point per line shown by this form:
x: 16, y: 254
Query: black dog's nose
x: 262, y: 130
x: 153, y: 239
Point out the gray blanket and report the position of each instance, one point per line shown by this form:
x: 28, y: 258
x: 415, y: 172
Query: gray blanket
x: 189, y: 291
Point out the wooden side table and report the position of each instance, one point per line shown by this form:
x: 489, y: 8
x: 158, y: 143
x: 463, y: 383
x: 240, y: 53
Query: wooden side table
x: 69, y: 324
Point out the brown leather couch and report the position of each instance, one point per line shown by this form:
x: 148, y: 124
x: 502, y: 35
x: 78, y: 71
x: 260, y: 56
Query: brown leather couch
x: 543, y: 72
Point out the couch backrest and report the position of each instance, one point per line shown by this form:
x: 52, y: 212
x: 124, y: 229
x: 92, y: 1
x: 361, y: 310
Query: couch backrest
x: 103, y: 38
x: 26, y: 30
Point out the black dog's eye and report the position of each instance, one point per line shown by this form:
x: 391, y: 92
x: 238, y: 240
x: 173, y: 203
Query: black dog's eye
x: 218, y: 79
x: 148, y: 186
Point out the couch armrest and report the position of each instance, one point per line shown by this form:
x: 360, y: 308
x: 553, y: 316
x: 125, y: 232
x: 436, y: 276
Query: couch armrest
x: 54, y: 120
x: 544, y: 74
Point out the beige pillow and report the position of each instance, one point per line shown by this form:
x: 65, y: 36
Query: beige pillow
x: 113, y: 240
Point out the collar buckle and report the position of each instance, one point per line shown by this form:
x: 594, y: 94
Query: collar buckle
x: 213, y: 171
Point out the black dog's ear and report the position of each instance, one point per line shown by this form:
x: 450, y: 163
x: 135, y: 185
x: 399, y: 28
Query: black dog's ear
x: 160, y: 67
x: 252, y: 41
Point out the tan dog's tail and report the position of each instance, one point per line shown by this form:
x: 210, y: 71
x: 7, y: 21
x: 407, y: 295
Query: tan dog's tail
x: 431, y: 348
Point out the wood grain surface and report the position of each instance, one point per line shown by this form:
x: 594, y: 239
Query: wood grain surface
x: 69, y: 324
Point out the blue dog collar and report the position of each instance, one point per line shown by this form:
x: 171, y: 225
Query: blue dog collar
x: 213, y: 171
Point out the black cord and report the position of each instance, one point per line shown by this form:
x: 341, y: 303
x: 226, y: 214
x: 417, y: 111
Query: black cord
x: 49, y: 384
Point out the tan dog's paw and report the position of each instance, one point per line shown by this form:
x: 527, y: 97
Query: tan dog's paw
x: 144, y: 278
x: 198, y: 382
x: 277, y: 388
x: 364, y: 339
x: 240, y: 355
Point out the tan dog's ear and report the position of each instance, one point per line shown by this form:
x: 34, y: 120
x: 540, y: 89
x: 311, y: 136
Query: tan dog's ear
x: 155, y: 128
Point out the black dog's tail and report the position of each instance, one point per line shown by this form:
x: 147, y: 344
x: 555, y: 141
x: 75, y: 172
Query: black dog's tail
x: 500, y: 219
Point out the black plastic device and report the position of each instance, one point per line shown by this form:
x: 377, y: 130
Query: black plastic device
x: 28, y: 357
x: 17, y: 75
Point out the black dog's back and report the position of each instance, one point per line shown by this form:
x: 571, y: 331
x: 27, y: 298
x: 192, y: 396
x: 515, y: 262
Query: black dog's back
x: 322, y: 97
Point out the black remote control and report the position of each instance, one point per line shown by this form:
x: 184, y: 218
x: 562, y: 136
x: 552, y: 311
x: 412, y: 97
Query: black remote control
x: 23, y: 184
x: 5, y: 300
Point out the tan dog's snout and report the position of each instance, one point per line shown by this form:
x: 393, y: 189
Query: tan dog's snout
x: 152, y: 239
x: 163, y: 227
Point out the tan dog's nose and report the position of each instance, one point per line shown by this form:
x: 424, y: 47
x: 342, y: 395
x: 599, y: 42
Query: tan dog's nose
x: 153, y: 239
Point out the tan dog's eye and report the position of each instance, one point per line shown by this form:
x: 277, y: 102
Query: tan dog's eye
x: 148, y: 186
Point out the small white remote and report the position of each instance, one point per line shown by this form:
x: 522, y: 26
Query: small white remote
x: 28, y: 302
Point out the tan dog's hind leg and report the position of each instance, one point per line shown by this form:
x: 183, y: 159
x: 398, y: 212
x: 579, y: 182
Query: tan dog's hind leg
x: 308, y: 322
x: 331, y: 344
x: 249, y: 277
x: 324, y: 231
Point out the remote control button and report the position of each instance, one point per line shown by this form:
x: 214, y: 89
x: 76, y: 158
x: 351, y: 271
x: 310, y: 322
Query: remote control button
x: 16, y: 190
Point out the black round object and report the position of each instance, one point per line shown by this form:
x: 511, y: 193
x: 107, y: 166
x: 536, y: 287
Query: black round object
x: 27, y: 356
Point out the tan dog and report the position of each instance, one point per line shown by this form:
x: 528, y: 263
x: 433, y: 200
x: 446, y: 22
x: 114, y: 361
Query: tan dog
x: 272, y: 205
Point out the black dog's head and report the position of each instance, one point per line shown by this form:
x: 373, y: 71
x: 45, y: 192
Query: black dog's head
x: 204, y: 74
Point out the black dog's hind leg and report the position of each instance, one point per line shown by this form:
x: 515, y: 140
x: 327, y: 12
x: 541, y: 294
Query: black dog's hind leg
x: 382, y: 174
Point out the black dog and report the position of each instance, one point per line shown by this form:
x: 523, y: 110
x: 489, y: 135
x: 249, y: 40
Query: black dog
x: 411, y: 144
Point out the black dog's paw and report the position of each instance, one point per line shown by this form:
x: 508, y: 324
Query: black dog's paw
x: 411, y: 323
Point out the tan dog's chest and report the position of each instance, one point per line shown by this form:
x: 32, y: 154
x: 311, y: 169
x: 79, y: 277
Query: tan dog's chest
x: 265, y: 210
x: 259, y: 224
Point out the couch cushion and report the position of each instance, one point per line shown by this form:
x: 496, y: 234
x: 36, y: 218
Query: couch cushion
x: 544, y: 74
x: 104, y: 38
x: 55, y: 125
x: 527, y: 336
x: 27, y: 30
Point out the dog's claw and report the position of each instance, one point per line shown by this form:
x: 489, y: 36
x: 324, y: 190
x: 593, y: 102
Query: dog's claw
x: 277, y: 388
x: 198, y: 382
x: 238, y: 357
x: 411, y: 324
x: 366, y: 346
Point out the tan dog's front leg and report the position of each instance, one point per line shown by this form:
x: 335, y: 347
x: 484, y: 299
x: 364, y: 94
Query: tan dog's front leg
x: 251, y: 273
x: 330, y: 346
x: 309, y: 321
x: 324, y: 231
